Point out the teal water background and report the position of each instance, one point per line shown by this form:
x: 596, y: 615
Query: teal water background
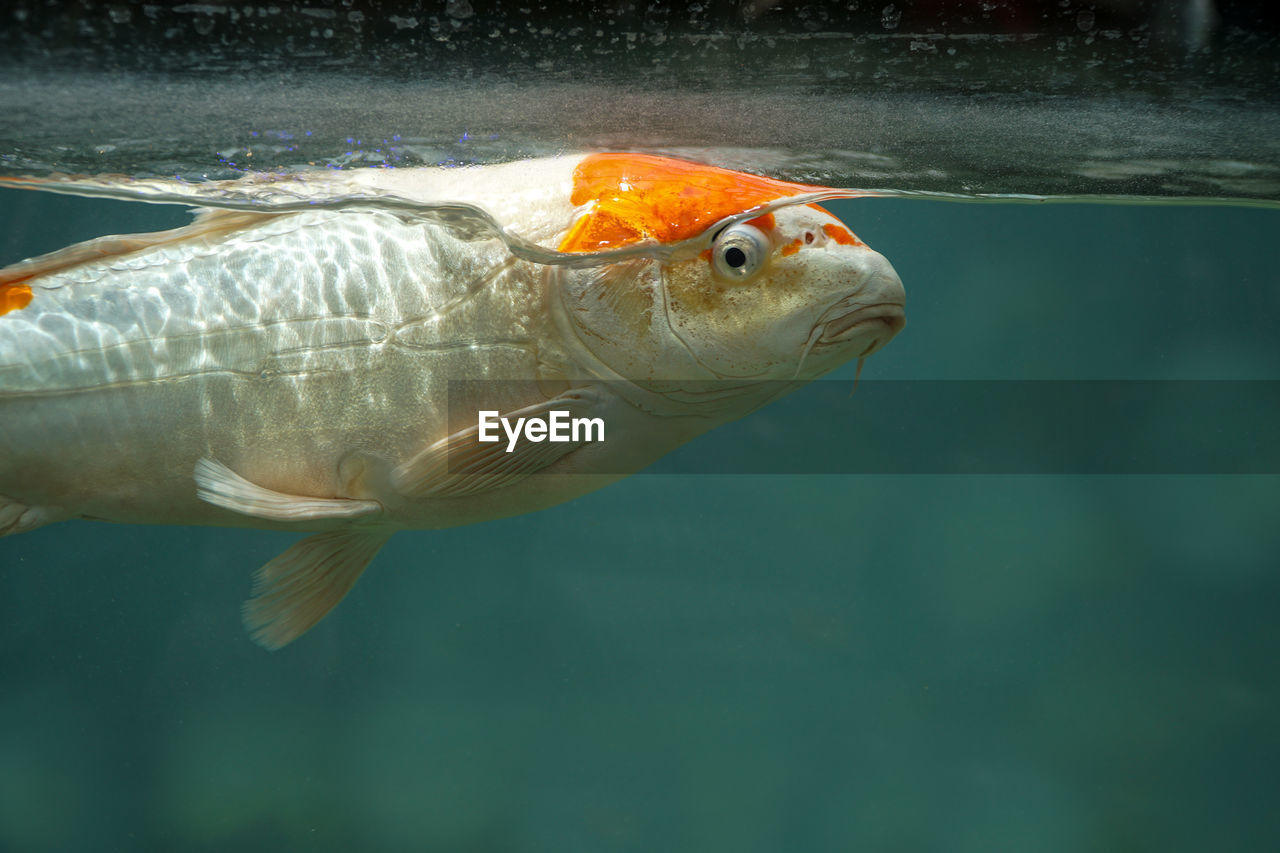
x: 736, y: 662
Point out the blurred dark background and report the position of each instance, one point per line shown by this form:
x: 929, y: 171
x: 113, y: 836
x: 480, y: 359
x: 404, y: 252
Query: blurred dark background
x: 1147, y: 40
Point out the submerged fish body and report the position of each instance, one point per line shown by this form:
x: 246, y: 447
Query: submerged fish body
x: 286, y: 361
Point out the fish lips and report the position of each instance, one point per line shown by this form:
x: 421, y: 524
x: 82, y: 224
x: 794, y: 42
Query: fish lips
x: 888, y: 317
x: 874, y: 314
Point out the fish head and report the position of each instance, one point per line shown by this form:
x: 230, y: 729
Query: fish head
x: 766, y: 285
x: 789, y: 295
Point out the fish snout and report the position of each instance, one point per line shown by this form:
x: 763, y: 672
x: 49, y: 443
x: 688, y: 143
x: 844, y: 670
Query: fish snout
x: 871, y: 315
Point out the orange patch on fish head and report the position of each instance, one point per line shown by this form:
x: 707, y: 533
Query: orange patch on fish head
x: 841, y: 235
x: 14, y: 297
x: 631, y: 198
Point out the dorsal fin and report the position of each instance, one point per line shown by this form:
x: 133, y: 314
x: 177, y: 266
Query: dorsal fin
x: 208, y: 221
x: 15, y: 290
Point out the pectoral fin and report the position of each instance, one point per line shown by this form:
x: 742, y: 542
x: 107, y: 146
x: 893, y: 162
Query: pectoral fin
x: 297, y: 589
x: 220, y: 486
x: 461, y: 464
x: 17, y: 517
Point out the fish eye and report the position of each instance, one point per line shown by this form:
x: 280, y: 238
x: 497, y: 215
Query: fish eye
x: 739, y: 251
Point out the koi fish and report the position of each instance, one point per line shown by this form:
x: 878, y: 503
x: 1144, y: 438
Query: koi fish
x: 285, y: 360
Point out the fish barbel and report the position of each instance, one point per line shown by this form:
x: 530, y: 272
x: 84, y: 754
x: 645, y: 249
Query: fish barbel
x: 286, y: 360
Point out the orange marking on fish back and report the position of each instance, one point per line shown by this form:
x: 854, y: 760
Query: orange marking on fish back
x: 843, y: 236
x: 791, y: 248
x: 637, y: 197
x: 14, y: 297
x: 764, y: 223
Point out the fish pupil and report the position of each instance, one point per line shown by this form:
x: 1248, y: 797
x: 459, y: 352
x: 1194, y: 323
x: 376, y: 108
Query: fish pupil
x: 735, y: 257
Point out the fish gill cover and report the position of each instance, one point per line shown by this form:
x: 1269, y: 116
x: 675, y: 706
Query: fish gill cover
x: 1165, y: 98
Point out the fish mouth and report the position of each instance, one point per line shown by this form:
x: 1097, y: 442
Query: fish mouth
x: 878, y: 322
x: 868, y: 317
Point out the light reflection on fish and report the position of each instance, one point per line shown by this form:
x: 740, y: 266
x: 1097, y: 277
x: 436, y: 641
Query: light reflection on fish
x: 284, y: 361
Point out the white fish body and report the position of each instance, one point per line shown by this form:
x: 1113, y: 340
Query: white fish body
x: 289, y: 351
x: 288, y: 364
